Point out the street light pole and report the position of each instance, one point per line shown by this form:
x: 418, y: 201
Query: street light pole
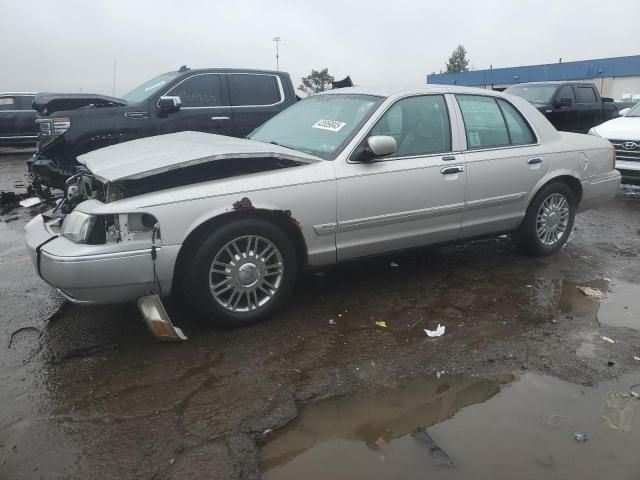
x: 277, y: 40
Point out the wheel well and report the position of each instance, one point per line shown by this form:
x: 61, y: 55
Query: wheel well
x: 573, y: 183
x: 281, y: 218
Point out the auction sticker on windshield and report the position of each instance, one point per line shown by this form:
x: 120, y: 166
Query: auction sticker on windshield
x: 332, y: 125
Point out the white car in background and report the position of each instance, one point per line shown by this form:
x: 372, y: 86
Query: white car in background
x: 624, y: 133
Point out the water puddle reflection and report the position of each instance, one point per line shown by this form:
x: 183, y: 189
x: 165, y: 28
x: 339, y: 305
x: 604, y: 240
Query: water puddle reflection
x: 464, y: 427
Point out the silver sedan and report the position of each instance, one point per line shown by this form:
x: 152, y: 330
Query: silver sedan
x: 340, y: 175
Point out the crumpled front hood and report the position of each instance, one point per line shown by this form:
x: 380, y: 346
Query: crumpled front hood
x: 621, y: 128
x: 153, y: 155
x: 47, y: 103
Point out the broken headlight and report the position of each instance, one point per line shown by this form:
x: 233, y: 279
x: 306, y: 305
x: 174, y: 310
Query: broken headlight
x: 132, y: 228
x: 79, y: 227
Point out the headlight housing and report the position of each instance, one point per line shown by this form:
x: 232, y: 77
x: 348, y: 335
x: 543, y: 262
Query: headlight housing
x: 125, y: 228
x: 592, y: 131
x: 78, y: 226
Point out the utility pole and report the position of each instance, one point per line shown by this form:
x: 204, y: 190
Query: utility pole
x: 276, y: 41
x: 113, y: 89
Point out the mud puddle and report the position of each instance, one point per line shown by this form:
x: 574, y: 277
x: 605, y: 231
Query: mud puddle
x: 475, y: 428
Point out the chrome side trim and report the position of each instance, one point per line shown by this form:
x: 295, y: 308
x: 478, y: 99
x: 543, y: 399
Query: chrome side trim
x: 492, y: 201
x: 391, y: 218
x: 325, y: 229
x: 99, y: 256
x: 18, y: 136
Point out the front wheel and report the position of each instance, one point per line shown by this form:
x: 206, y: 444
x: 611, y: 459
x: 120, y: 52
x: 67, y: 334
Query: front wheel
x: 241, y: 273
x: 548, y: 222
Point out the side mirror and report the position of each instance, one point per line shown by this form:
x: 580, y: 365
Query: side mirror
x: 169, y: 104
x: 381, y: 145
x: 566, y: 101
x: 607, y: 100
x: 623, y: 112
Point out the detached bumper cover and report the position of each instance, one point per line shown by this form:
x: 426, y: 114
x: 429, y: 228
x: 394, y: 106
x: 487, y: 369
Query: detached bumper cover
x: 89, y: 274
x: 48, y: 172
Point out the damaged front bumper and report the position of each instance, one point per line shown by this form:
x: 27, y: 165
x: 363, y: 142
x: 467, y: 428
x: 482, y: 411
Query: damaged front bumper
x: 48, y: 172
x: 97, y: 274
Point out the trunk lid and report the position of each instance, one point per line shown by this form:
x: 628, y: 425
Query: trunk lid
x: 150, y: 156
x: 48, y: 103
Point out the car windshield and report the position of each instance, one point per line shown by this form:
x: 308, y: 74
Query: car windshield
x: 320, y: 124
x: 533, y: 93
x: 634, y: 112
x: 144, y: 91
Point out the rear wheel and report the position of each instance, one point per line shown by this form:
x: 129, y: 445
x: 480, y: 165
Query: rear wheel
x: 548, y: 222
x: 241, y: 273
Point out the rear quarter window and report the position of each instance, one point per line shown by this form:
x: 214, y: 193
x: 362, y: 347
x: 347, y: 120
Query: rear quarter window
x: 250, y: 89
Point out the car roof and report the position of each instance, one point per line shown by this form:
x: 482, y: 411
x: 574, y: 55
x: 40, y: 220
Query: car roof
x: 18, y: 93
x: 229, y: 70
x: 390, y: 91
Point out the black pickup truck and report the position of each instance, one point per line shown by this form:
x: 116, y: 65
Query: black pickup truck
x: 569, y: 106
x: 17, y: 119
x: 229, y: 102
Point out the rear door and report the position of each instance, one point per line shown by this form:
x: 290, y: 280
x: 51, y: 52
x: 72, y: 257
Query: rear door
x: 504, y: 162
x: 588, y: 108
x: 205, y: 105
x: 564, y: 117
x: 255, y: 98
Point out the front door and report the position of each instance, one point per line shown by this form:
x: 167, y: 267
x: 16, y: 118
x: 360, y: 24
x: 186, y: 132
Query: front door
x: 205, y: 106
x: 411, y: 198
x: 503, y: 162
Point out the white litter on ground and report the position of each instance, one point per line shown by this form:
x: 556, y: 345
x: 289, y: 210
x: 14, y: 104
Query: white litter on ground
x: 607, y: 339
x: 438, y: 332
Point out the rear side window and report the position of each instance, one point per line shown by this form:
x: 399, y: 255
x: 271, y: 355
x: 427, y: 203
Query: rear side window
x: 566, y: 92
x: 420, y: 126
x: 7, y: 103
x: 249, y: 89
x: 483, y: 122
x: 520, y: 132
x: 199, y: 91
x: 585, y: 95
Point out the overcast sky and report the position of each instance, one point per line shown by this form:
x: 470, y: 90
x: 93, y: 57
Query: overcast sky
x: 70, y: 45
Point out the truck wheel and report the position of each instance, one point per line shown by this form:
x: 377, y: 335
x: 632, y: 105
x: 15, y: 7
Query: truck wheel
x: 241, y: 273
x: 548, y: 222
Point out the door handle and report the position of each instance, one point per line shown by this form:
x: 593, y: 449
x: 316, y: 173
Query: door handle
x: 448, y: 158
x: 453, y: 169
x: 219, y: 118
x: 534, y: 161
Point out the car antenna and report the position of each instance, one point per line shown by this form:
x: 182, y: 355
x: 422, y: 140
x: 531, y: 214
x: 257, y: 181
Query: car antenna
x: 183, y: 68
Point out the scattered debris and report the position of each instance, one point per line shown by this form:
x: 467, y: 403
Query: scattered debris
x: 635, y: 394
x: 580, y: 437
x: 438, y: 332
x: 611, y: 363
x: 381, y: 324
x: 592, y: 292
x: 379, y: 444
x: 439, y: 374
x: 394, y: 264
x: 22, y: 329
x: 332, y: 321
x: 10, y: 199
x: 636, y: 357
x: 83, y: 352
x: 606, y: 279
x: 529, y: 286
x: 434, y: 450
x: 31, y: 202
x: 607, y: 339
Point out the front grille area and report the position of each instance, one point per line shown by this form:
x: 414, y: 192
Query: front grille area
x: 627, y: 152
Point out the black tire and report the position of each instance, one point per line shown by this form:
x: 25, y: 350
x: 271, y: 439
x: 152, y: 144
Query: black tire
x: 526, y: 236
x: 196, y: 273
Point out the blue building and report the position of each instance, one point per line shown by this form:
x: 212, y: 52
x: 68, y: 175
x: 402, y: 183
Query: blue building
x: 616, y: 77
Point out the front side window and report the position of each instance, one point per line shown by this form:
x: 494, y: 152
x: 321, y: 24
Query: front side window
x: 539, y: 94
x: 7, y: 103
x: 199, y: 91
x: 585, y: 95
x: 249, y: 89
x: 420, y: 126
x: 566, y: 92
x: 319, y: 125
x: 148, y: 88
x: 483, y: 122
x: 519, y: 130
